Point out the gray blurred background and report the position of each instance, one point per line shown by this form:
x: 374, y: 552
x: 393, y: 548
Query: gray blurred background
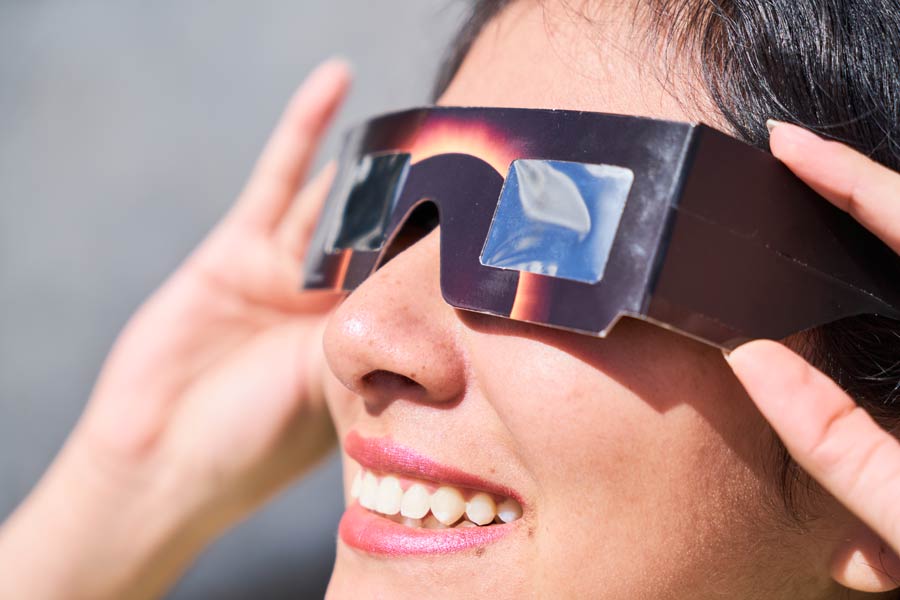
x: 126, y: 129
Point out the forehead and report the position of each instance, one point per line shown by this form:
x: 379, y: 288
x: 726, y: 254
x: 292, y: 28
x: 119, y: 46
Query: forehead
x: 548, y: 55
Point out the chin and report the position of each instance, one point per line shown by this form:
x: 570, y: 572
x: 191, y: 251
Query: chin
x: 491, y: 571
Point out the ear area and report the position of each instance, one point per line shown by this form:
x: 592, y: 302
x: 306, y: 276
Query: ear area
x: 863, y: 562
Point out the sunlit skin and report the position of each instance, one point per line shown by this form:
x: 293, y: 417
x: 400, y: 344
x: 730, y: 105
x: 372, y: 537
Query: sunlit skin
x: 643, y: 468
x: 646, y: 470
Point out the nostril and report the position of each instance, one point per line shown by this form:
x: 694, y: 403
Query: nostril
x: 390, y: 383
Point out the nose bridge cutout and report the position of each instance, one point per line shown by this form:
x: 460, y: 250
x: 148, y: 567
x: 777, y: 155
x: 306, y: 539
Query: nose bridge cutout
x: 393, y: 337
x: 420, y: 221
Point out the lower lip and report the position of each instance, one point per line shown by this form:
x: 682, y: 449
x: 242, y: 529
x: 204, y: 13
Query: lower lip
x: 372, y: 533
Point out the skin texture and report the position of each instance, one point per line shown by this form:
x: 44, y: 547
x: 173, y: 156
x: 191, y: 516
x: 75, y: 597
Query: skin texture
x: 643, y: 467
x: 208, y: 404
x: 644, y: 431
x: 832, y: 438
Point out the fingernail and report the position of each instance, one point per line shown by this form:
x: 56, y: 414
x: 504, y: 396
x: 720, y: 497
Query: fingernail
x: 795, y: 132
x: 340, y: 61
x: 728, y: 355
x: 733, y: 354
x: 324, y: 75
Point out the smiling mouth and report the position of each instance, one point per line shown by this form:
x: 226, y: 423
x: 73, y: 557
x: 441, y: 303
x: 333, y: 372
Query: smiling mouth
x: 424, y: 504
x: 405, y: 503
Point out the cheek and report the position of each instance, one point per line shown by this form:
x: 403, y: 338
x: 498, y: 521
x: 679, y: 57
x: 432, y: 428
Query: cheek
x: 580, y: 429
x: 641, y: 451
x: 346, y: 410
x: 611, y: 407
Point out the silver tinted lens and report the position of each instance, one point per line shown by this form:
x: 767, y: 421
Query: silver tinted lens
x: 369, y: 194
x: 557, y: 218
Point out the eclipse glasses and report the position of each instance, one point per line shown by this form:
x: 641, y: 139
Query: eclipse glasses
x: 574, y: 219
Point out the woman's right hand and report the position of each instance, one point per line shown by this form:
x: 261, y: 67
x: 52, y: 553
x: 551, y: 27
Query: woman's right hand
x: 209, y: 402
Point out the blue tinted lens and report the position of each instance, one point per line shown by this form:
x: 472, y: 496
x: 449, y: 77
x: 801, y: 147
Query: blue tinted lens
x: 370, y: 193
x: 557, y: 218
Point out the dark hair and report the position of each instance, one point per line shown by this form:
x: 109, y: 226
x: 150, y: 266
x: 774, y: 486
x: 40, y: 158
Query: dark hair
x: 832, y: 66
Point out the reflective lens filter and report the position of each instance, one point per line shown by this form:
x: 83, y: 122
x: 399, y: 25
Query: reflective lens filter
x: 370, y: 193
x: 557, y: 218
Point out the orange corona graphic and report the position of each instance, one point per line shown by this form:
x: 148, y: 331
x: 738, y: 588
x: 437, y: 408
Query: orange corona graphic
x: 532, y: 302
x: 451, y: 136
x: 341, y: 275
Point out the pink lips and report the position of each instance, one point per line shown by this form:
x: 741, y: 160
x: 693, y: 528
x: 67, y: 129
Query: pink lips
x: 375, y: 534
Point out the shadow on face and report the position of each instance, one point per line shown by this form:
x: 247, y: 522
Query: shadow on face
x: 644, y: 468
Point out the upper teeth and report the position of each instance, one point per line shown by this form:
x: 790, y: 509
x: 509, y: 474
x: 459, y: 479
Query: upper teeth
x: 416, y: 501
x: 446, y: 504
x: 389, y: 496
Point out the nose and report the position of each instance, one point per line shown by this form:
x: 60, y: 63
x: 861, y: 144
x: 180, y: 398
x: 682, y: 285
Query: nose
x: 395, y: 338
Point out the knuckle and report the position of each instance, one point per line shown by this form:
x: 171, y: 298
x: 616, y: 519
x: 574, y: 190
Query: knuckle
x: 826, y: 451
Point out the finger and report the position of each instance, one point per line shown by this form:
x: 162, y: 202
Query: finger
x: 297, y: 226
x: 284, y: 162
x: 828, y: 435
x: 855, y: 183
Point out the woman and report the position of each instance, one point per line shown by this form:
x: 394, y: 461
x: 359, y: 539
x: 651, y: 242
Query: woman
x: 639, y: 464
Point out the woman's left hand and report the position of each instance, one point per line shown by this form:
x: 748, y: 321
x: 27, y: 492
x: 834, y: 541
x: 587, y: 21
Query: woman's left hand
x: 832, y: 438
x: 210, y: 402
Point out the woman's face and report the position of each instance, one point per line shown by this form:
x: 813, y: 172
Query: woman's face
x: 640, y: 464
